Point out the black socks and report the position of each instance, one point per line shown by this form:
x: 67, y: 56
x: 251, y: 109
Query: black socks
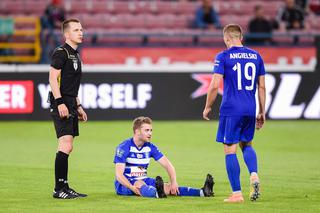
x: 61, y: 170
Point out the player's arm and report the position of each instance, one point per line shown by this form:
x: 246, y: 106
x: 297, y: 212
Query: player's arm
x: 53, y: 81
x: 261, y: 117
x: 82, y: 114
x: 167, y: 165
x: 212, y: 94
x: 123, y: 180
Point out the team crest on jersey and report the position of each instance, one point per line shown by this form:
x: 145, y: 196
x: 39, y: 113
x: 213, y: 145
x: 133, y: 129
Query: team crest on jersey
x: 139, y: 156
x: 75, y: 64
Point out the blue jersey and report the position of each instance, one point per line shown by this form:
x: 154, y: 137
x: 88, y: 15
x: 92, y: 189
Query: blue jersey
x: 240, y: 67
x: 136, y: 159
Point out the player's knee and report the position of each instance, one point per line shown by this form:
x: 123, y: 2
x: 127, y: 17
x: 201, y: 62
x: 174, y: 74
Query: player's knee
x: 230, y: 149
x: 139, y: 183
x: 245, y: 144
x: 67, y: 148
x: 66, y: 145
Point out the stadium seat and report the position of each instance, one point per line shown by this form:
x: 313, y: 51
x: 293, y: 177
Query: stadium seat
x: 14, y: 7
x: 78, y: 7
x: 168, y: 7
x: 92, y: 21
x: 102, y: 7
x: 34, y: 7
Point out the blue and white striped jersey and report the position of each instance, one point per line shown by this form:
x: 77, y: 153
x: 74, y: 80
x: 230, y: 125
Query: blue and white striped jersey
x: 136, y: 159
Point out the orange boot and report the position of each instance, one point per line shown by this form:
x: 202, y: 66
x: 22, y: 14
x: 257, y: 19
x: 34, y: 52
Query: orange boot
x: 235, y: 198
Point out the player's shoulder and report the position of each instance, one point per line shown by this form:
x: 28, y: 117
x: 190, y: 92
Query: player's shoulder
x: 221, y: 56
x: 151, y: 145
x: 250, y: 50
x: 125, y: 144
x: 223, y: 53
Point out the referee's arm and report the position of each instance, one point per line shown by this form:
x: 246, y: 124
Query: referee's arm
x: 53, y: 81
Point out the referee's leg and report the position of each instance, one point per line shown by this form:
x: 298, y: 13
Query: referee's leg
x: 65, y: 147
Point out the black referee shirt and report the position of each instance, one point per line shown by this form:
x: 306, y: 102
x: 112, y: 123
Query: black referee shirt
x: 67, y: 59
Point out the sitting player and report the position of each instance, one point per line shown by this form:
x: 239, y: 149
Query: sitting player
x: 132, y: 159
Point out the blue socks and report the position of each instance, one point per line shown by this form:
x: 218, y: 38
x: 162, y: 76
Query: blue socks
x: 250, y: 157
x: 233, y: 170
x: 148, y: 191
x: 188, y: 191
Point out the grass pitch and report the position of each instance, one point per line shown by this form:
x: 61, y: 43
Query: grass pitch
x: 288, y: 155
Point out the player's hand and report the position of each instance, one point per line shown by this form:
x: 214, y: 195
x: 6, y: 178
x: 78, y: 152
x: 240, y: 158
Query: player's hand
x: 261, y: 118
x: 136, y: 190
x: 205, y: 113
x: 174, y: 188
x: 82, y: 114
x: 63, y: 111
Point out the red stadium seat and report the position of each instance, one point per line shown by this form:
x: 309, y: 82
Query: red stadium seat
x: 78, y: 6
x: 168, y: 7
x: 14, y: 7
x: 92, y: 21
x: 34, y: 7
x: 103, y: 7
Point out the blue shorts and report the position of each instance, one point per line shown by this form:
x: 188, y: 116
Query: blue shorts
x: 122, y: 190
x: 233, y: 129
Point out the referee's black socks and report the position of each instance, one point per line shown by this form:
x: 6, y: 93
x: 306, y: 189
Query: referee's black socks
x: 61, y: 170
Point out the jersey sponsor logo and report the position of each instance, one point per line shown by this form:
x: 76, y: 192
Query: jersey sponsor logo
x: 137, y: 171
x: 16, y: 97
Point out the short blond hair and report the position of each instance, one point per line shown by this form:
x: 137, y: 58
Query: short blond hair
x: 233, y: 31
x: 139, y: 121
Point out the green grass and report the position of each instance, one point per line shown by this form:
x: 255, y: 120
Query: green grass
x: 288, y: 155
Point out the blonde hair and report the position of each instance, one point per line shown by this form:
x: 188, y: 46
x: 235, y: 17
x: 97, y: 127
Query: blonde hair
x: 234, y: 31
x: 139, y: 121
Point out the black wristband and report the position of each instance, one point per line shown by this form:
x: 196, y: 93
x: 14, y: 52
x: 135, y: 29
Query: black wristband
x: 79, y: 106
x: 59, y: 101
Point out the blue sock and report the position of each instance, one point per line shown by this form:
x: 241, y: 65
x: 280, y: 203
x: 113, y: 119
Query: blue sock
x: 233, y: 170
x: 148, y: 191
x: 250, y: 157
x: 188, y: 191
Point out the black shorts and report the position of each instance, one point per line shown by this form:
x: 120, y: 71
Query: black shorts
x: 66, y: 126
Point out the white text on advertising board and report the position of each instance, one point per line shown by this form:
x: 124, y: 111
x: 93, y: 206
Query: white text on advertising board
x: 105, y: 96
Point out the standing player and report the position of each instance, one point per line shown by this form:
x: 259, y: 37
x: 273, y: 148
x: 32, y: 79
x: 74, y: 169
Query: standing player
x: 132, y: 159
x: 65, y: 107
x: 242, y: 69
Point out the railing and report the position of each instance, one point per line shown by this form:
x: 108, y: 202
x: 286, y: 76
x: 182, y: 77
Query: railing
x: 34, y: 46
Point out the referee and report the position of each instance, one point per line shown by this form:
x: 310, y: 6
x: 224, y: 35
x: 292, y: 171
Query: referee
x: 65, y: 107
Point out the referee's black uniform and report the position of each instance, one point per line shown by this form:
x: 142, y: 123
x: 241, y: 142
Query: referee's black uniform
x: 66, y: 59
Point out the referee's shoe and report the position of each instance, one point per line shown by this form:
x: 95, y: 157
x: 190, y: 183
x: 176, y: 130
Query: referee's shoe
x: 73, y: 192
x: 63, y: 194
